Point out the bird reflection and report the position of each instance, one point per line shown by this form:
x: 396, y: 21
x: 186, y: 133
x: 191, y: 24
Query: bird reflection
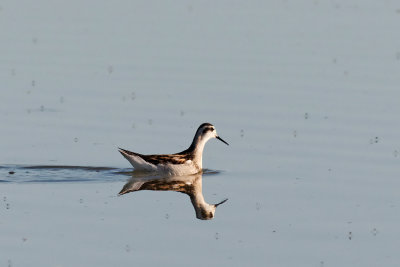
x: 190, y: 185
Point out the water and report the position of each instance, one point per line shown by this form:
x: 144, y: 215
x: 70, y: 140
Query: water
x: 306, y: 94
x: 55, y: 173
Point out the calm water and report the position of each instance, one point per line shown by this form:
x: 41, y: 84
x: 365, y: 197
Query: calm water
x: 306, y: 93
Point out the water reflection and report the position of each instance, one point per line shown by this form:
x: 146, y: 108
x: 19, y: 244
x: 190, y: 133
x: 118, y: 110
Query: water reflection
x: 190, y: 185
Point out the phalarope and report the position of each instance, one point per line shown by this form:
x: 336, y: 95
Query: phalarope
x: 186, y: 162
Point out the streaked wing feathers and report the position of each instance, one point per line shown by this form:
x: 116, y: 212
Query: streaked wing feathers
x: 179, y: 158
x: 167, y: 159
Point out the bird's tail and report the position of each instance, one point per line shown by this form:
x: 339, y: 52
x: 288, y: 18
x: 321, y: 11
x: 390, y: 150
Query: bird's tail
x: 135, y: 159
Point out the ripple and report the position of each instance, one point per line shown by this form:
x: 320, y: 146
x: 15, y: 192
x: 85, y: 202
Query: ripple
x: 59, y: 173
x: 55, y: 167
x: 71, y: 174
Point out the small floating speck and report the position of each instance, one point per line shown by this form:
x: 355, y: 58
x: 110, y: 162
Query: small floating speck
x: 7, y: 206
x: 41, y: 108
x: 33, y: 83
x: 374, y: 140
x: 166, y: 216
x: 396, y: 153
x: 216, y: 236
x: 294, y: 133
x: 133, y: 96
x: 110, y: 69
x: 182, y: 113
x: 374, y: 231
x: 258, y: 206
x: 350, y: 235
x: 76, y: 139
x: 306, y: 116
x: 127, y: 248
x: 241, y: 133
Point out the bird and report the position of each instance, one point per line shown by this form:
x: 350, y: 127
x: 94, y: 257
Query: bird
x: 189, y: 161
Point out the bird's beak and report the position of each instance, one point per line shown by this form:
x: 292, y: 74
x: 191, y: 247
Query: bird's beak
x: 222, y: 140
x: 222, y: 202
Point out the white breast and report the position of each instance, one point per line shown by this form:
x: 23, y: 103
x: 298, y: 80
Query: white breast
x: 178, y: 169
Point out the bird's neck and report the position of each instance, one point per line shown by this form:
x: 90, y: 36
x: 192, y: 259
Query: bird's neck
x: 196, y: 148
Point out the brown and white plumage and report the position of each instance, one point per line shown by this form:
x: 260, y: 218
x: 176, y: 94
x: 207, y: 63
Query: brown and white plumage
x: 188, y: 161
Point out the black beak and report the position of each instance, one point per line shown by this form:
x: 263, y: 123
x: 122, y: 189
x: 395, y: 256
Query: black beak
x: 222, y: 202
x: 222, y: 140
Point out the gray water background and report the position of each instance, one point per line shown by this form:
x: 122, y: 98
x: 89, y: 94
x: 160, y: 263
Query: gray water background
x: 306, y: 93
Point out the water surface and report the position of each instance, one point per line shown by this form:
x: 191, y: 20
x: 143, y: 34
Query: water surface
x: 306, y: 94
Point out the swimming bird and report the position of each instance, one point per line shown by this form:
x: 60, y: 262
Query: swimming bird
x: 189, y: 161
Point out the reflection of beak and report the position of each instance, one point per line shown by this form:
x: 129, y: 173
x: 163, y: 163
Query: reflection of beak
x: 222, y: 140
x: 222, y: 202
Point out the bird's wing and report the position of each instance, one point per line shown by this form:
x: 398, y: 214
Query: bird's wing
x: 167, y: 159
